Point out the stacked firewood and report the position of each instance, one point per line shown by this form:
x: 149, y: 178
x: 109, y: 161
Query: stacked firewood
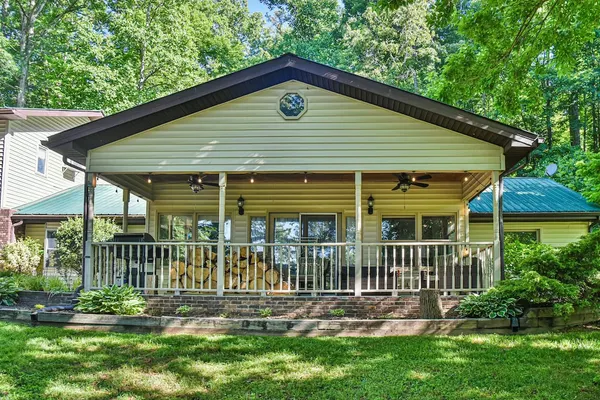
x: 243, y: 271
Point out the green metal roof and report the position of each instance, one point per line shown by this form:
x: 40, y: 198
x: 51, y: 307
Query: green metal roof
x: 534, y: 196
x: 108, y: 201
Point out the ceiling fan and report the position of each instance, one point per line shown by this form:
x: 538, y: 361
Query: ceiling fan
x: 197, y: 183
x: 405, y: 181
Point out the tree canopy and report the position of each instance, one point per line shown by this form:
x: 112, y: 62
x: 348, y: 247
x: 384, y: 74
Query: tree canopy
x: 529, y: 63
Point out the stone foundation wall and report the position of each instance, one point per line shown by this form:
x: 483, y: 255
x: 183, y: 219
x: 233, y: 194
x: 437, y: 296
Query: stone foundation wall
x: 29, y: 298
x: 295, y: 307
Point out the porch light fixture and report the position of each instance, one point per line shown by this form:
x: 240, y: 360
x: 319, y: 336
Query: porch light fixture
x: 240, y: 204
x: 370, y: 204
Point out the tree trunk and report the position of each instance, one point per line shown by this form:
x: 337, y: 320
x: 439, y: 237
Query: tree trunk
x: 548, y: 112
x: 574, y: 123
x: 430, y: 304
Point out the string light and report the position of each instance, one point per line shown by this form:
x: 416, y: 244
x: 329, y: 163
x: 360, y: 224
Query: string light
x: 251, y: 179
x: 149, y: 180
x: 305, y: 178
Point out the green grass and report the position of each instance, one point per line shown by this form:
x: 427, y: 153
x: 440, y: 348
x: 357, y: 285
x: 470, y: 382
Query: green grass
x: 43, y: 362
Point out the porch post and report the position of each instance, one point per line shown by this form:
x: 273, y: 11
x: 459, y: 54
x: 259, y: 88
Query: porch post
x: 497, y: 224
x: 358, y: 241
x: 221, y: 243
x: 88, y: 229
x: 125, y: 210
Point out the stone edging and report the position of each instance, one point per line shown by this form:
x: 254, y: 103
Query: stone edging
x: 533, y: 322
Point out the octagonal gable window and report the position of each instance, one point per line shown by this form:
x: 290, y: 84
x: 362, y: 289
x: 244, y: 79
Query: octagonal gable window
x: 292, y: 105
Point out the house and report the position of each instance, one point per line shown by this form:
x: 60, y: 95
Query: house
x: 28, y: 170
x: 294, y: 177
x: 535, y: 210
x: 40, y: 219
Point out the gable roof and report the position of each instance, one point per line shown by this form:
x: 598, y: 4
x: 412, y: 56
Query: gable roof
x: 535, y: 197
x: 108, y: 202
x: 74, y: 143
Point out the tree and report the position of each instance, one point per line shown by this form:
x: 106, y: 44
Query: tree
x: 69, y: 240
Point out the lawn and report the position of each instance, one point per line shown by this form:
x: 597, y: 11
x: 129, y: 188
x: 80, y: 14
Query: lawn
x: 40, y: 363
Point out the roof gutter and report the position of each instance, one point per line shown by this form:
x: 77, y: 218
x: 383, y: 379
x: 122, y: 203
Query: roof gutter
x: 515, y: 168
x: 68, y: 162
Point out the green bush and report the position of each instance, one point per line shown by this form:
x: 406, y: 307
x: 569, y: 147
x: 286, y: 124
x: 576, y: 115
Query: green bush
x: 184, y: 310
x: 119, y: 300
x: 23, y: 256
x: 9, y: 291
x: 69, y: 240
x: 492, y: 304
x: 41, y: 283
x: 538, y: 289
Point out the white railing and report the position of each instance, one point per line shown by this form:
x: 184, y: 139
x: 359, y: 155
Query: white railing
x: 407, y: 267
x: 293, y: 269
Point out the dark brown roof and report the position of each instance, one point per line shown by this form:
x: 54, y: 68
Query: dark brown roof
x: 74, y: 143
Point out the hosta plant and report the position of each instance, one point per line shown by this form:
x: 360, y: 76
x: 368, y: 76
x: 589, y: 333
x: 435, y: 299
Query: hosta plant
x: 492, y: 304
x: 119, y: 300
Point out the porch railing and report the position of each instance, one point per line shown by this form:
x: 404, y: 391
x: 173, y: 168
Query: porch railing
x: 294, y: 269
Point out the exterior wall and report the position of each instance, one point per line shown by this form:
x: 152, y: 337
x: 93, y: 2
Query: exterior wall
x: 3, y: 129
x: 22, y: 183
x: 296, y: 307
x: 6, y: 227
x: 441, y: 198
x: 336, y: 133
x: 558, y: 233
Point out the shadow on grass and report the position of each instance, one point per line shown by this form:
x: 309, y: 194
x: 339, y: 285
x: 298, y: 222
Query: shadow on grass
x: 49, y: 362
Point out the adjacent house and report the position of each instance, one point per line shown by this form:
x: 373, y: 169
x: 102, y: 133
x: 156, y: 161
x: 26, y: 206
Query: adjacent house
x: 40, y: 219
x: 297, y: 178
x: 29, y: 170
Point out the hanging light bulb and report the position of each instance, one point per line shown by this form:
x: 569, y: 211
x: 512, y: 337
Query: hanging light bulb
x: 251, y: 179
x: 149, y: 180
x: 479, y: 197
x: 414, y: 179
x: 466, y: 178
x: 305, y: 178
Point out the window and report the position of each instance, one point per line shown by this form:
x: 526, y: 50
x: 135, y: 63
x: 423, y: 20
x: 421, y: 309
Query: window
x: 350, y: 229
x: 208, y: 229
x: 525, y: 237
x: 292, y: 106
x: 176, y: 227
x: 258, y: 231
x: 439, y: 227
x: 398, y: 228
x: 42, y: 157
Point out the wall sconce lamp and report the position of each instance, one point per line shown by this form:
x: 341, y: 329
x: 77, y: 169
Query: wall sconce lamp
x: 370, y: 204
x: 240, y: 204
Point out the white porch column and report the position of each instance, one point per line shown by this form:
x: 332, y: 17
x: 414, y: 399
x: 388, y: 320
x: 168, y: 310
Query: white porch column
x: 88, y: 228
x: 221, y: 243
x: 497, y: 224
x: 358, y: 244
x: 125, y: 210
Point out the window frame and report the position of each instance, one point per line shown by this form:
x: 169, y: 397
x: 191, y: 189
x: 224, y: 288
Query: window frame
x: 37, y: 160
x: 399, y: 216
x: 293, y: 117
x: 536, y: 231
x: 456, y: 233
x: 176, y: 214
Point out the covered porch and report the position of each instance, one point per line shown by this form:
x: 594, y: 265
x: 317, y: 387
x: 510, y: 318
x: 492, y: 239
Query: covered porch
x: 299, y: 234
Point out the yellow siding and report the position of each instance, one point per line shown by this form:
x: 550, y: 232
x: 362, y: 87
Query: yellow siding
x: 136, y: 228
x: 36, y: 231
x: 559, y: 233
x: 334, y: 197
x: 337, y: 133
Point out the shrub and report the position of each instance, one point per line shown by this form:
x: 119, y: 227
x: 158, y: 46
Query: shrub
x: 9, y: 291
x: 119, y: 300
x: 184, y: 310
x: 338, y: 312
x: 265, y: 312
x: 492, y: 304
x: 535, y: 288
x: 69, y: 240
x: 41, y: 283
x: 23, y: 256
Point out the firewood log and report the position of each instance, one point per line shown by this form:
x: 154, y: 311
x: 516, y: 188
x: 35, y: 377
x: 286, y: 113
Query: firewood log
x: 262, y: 265
x: 243, y: 252
x: 257, y: 284
x: 210, y: 255
x: 254, y: 274
x: 200, y: 274
x: 179, y: 267
x: 243, y: 264
x: 272, y: 276
x: 234, y: 258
